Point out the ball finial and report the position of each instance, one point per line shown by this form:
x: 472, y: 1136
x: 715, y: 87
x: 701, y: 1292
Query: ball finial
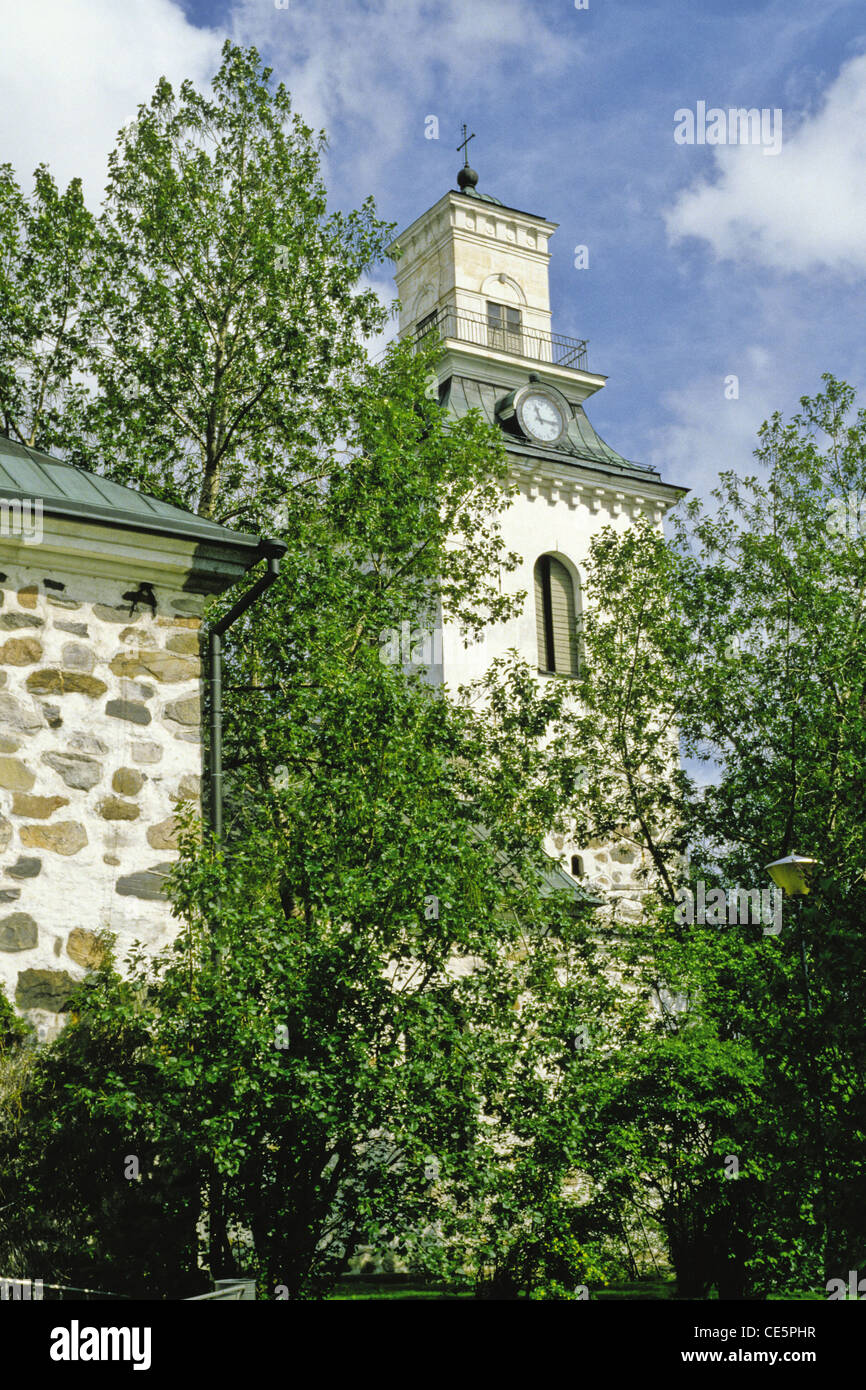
x: 467, y: 178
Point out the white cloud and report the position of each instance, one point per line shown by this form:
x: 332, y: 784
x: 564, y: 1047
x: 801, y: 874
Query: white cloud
x: 377, y: 69
x: 707, y: 432
x: 75, y: 71
x: 800, y: 210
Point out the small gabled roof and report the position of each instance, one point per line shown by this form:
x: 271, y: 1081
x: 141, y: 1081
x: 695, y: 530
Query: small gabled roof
x: 66, y: 490
x: 554, y: 877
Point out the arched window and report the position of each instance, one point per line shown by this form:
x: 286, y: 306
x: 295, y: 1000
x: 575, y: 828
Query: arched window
x: 555, y: 617
x: 576, y: 866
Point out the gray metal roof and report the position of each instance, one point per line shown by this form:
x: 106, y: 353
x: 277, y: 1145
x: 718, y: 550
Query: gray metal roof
x: 66, y: 490
x: 582, y: 443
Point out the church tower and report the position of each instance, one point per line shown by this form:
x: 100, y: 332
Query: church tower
x: 476, y: 272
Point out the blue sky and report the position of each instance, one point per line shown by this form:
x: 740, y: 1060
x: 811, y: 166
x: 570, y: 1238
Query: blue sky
x: 704, y: 261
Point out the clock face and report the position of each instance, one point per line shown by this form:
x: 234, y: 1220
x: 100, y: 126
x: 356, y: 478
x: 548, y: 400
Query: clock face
x: 541, y: 417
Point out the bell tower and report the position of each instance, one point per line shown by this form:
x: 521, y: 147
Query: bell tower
x: 475, y: 271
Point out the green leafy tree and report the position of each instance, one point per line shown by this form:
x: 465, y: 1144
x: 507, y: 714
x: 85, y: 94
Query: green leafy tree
x: 742, y: 638
x: 225, y: 303
x: 361, y: 1035
x: 46, y: 242
x: 380, y: 903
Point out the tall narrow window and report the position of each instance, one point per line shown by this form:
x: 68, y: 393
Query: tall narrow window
x: 555, y: 617
x: 503, y: 326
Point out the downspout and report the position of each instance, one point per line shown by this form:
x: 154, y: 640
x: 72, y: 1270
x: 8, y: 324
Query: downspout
x: 272, y: 550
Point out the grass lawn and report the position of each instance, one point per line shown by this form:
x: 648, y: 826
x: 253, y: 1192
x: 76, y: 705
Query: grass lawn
x: 383, y: 1289
x: 362, y: 1289
x: 652, y: 1290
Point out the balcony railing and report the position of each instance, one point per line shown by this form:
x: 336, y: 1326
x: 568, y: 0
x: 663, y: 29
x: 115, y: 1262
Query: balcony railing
x: 468, y: 327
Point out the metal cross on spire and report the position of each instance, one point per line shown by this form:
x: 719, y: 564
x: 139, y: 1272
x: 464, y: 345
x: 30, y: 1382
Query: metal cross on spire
x: 464, y: 146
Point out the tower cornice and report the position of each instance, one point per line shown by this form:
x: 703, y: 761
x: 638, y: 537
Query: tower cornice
x: 509, y: 370
x: 478, y: 209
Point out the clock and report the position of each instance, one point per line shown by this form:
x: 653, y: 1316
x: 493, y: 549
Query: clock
x: 536, y: 411
x: 540, y: 416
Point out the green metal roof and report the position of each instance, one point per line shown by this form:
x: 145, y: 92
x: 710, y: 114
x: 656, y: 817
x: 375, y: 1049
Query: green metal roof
x: 66, y: 490
x: 581, y: 444
x: 555, y: 879
x: 481, y: 197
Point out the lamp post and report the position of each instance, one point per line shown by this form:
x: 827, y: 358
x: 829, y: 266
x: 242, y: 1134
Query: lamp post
x: 792, y: 875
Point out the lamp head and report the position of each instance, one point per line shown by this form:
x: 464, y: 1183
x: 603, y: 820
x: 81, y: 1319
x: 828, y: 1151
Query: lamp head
x: 792, y: 873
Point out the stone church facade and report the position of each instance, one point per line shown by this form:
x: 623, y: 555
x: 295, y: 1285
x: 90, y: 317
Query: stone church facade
x: 100, y: 715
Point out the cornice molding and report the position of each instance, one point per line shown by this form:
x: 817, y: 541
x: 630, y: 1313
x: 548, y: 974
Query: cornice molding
x: 633, y: 498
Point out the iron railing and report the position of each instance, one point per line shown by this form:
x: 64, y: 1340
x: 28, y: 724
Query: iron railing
x: 468, y: 327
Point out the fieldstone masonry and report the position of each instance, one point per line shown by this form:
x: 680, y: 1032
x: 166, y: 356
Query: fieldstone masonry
x: 100, y: 740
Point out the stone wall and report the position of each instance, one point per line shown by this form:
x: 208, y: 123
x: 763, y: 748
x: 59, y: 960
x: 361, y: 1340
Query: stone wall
x: 100, y: 739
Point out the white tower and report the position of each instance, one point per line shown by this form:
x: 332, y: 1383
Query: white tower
x: 476, y: 272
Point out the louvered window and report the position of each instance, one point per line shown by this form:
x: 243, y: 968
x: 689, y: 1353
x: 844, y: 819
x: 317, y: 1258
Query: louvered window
x: 555, y: 617
x: 503, y: 326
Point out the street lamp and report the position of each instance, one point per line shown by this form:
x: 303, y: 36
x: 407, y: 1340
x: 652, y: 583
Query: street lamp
x: 792, y: 875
